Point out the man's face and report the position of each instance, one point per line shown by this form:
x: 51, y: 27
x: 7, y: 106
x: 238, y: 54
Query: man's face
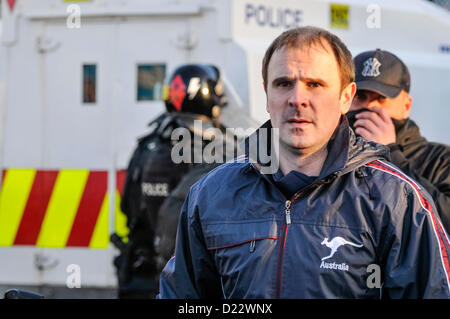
x: 304, y: 97
x: 398, y: 108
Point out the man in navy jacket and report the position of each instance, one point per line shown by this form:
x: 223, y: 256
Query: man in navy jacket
x: 327, y: 217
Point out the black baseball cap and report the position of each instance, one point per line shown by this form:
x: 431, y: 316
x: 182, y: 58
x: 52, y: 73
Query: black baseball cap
x: 382, y: 72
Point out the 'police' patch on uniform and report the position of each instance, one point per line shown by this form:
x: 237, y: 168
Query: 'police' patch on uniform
x: 155, y: 189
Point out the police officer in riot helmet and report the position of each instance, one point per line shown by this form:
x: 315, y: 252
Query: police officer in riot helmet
x: 209, y: 108
x: 194, y: 92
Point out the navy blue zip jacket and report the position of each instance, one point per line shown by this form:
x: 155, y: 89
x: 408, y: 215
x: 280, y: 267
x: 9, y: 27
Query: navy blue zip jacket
x: 362, y: 229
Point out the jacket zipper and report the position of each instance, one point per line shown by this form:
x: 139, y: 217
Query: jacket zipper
x: 286, y: 223
x: 287, y: 214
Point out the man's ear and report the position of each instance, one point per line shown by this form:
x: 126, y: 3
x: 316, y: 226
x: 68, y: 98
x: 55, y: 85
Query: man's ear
x: 408, y: 104
x: 265, y: 90
x: 347, y: 97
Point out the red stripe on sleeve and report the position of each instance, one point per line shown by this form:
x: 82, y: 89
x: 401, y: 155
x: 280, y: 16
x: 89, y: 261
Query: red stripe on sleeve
x: 424, y: 202
x: 441, y: 239
x: 34, y: 213
x: 88, y: 210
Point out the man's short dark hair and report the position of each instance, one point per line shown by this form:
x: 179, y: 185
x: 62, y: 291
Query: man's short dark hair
x: 306, y: 37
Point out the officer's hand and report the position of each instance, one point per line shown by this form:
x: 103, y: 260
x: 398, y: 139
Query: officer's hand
x: 375, y: 126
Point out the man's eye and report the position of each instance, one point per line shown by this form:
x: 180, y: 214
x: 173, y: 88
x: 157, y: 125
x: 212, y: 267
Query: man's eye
x: 284, y: 84
x: 381, y: 99
x: 361, y: 96
x: 314, y: 84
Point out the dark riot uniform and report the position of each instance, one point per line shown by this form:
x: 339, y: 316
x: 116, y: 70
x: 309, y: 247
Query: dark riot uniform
x: 151, y: 175
x: 195, y: 93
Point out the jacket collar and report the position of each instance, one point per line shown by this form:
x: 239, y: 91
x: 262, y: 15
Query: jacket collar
x: 407, y: 132
x: 346, y: 152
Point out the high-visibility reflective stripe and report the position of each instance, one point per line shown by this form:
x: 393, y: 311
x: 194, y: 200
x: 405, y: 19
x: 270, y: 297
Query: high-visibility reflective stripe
x: 58, y: 208
x: 15, y: 190
x: 35, y: 208
x: 120, y: 219
x: 89, y: 209
x: 62, y: 208
x: 100, y: 236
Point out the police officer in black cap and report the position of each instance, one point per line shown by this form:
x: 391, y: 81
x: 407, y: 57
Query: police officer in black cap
x: 195, y: 92
x: 380, y: 113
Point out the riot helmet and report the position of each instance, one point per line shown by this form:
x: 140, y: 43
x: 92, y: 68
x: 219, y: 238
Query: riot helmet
x: 196, y: 89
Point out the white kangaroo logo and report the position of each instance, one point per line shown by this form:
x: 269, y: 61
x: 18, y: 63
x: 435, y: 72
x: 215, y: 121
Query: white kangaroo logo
x: 335, y: 243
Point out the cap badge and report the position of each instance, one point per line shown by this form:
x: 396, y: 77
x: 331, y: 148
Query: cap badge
x: 371, y: 67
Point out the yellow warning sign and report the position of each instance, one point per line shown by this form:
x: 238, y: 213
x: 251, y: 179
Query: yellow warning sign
x: 339, y: 15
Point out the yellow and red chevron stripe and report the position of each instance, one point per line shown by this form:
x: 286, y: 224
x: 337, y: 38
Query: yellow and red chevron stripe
x: 58, y: 208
